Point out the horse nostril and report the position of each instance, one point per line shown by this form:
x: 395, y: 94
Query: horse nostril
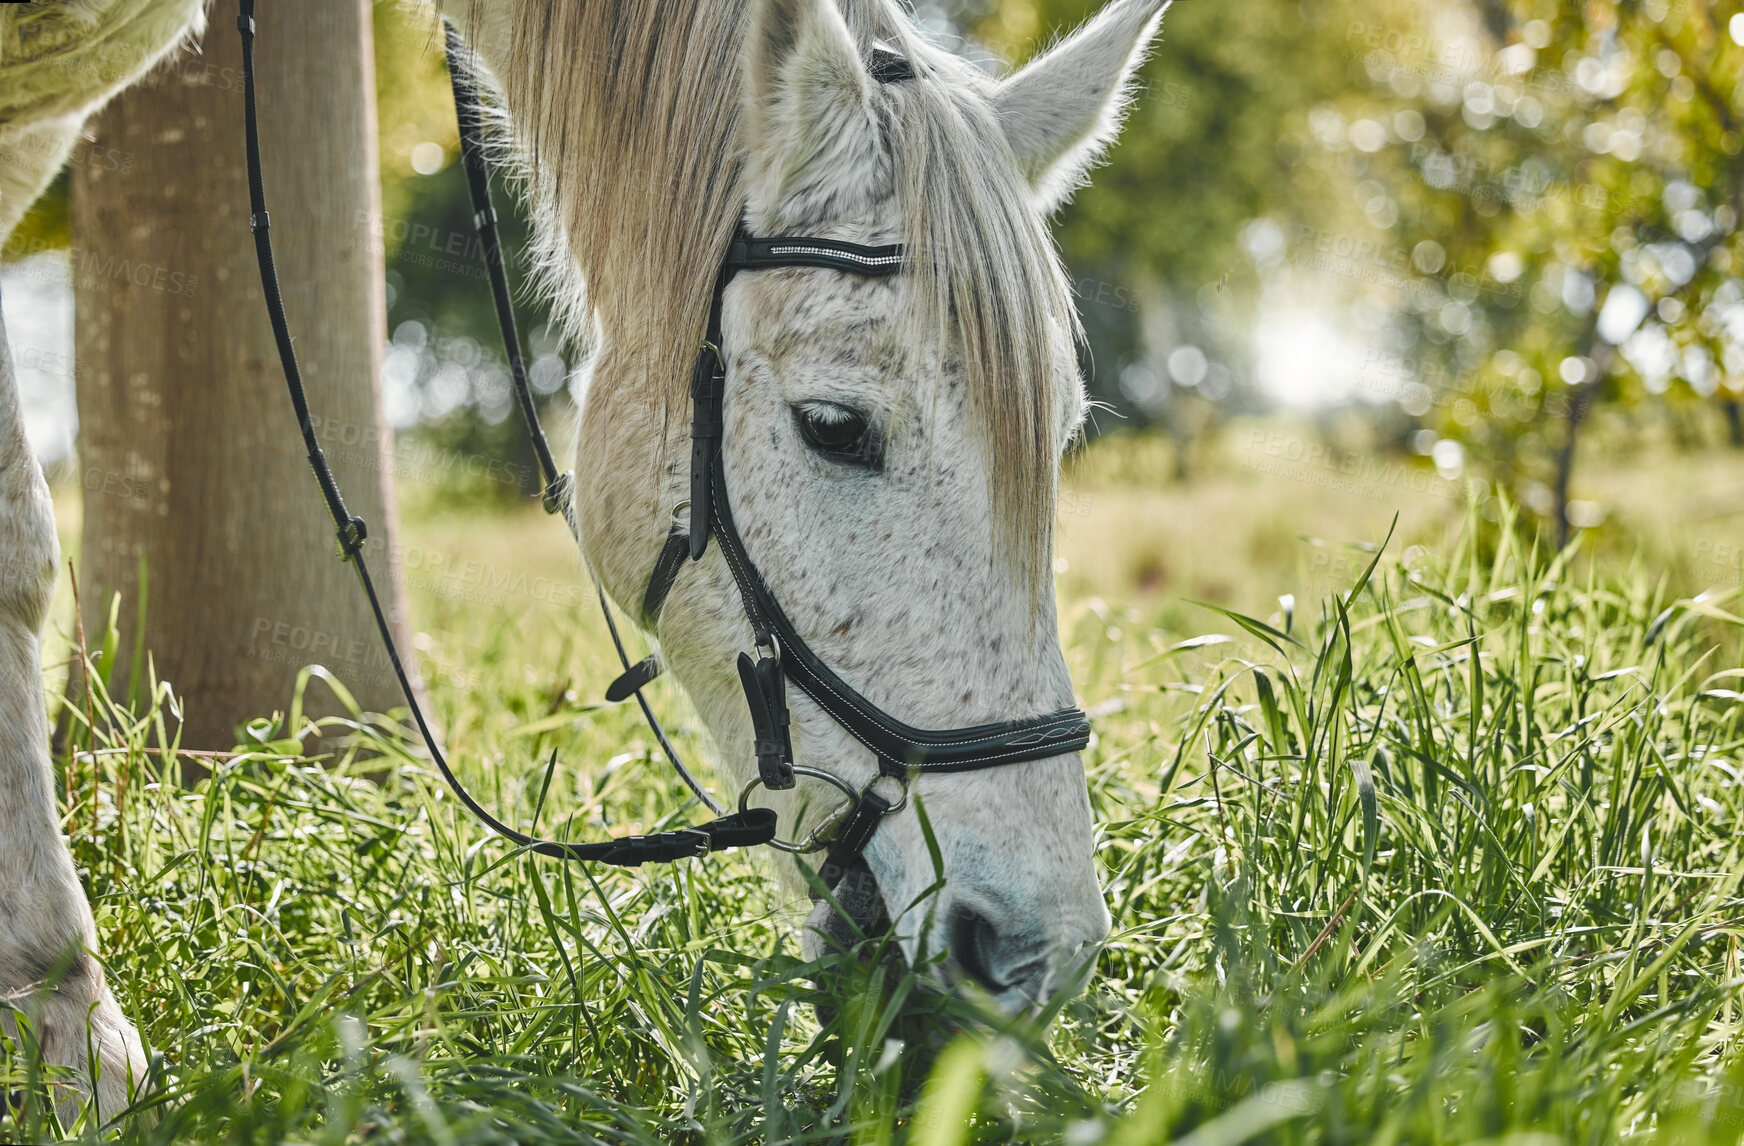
x: 1002, y: 959
x: 974, y: 944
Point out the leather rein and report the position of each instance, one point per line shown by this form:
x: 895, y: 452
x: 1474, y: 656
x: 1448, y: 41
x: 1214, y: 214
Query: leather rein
x: 782, y: 654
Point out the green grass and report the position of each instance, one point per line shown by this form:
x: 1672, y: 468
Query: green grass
x: 1451, y: 855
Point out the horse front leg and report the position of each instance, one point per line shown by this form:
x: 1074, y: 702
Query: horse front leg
x: 48, y: 969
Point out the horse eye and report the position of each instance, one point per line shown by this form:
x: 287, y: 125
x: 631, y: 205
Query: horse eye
x: 839, y: 433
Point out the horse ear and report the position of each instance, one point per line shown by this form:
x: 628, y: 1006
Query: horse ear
x: 1061, y: 110
x: 809, y: 130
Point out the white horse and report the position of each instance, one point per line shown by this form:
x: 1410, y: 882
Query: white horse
x: 647, y: 131
x: 59, y: 62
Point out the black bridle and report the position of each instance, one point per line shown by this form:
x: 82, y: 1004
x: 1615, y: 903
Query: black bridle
x: 782, y: 653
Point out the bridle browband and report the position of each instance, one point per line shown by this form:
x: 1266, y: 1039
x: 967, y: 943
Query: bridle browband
x: 901, y: 749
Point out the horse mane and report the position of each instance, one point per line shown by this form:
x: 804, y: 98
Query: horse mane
x: 626, y: 114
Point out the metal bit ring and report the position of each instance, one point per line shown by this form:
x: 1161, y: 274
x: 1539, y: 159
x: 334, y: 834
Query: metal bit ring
x: 812, y: 842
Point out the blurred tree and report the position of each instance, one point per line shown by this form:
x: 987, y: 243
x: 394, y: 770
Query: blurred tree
x: 192, y: 465
x: 1568, y: 181
x: 1155, y: 241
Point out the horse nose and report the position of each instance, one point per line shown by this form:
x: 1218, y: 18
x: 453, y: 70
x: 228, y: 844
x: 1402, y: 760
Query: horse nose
x: 1014, y: 963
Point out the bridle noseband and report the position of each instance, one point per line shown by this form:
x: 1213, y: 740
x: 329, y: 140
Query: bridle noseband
x: 783, y: 655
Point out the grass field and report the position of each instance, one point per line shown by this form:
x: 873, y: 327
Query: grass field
x: 1446, y: 848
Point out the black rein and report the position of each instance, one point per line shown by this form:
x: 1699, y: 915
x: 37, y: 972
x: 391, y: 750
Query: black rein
x: 741, y: 829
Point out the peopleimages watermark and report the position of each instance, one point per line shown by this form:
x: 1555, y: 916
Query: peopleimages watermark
x: 1370, y: 261
x: 1341, y: 471
x: 1171, y: 93
x: 89, y: 269
x: 401, y: 241
x: 480, y: 582
x: 356, y: 660
x: 1102, y: 292
x: 48, y: 146
x: 43, y: 360
x: 1456, y: 63
x: 285, y: 642
x: 1421, y: 385
x: 113, y: 483
x: 349, y: 443
x: 1527, y: 186
x: 1726, y: 554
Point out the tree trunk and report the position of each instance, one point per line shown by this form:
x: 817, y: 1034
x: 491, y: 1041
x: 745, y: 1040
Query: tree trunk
x: 1577, y: 414
x: 191, y: 461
